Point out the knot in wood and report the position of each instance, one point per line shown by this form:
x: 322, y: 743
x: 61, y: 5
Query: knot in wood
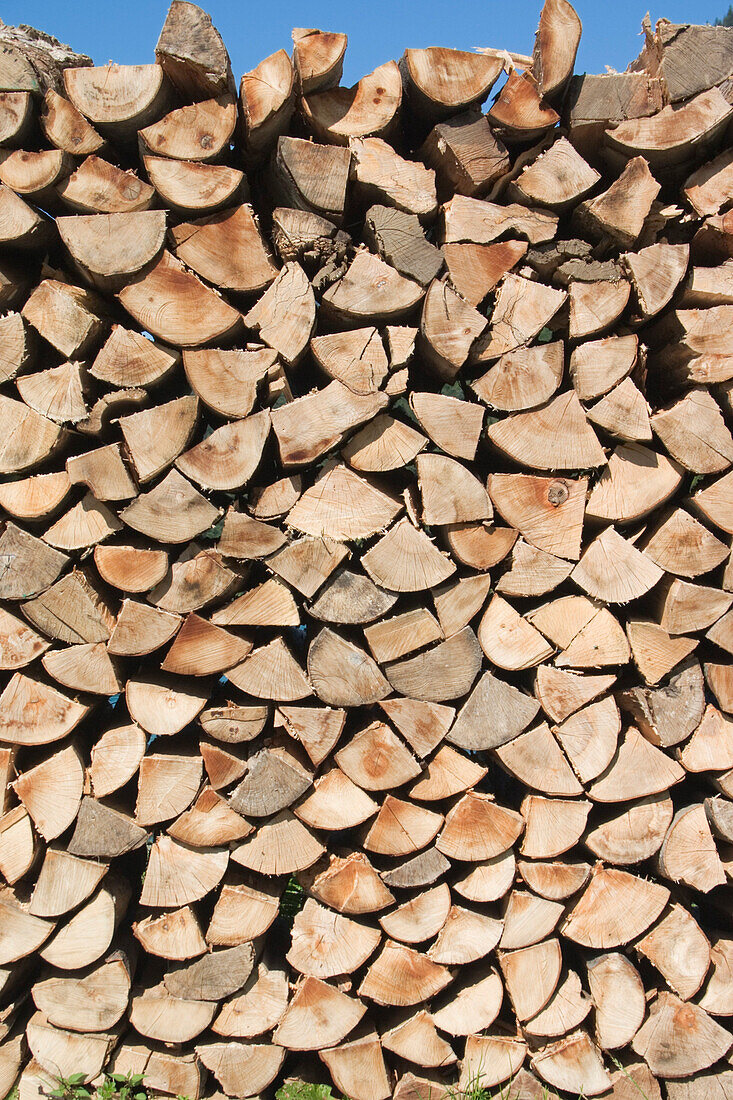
x: 558, y: 492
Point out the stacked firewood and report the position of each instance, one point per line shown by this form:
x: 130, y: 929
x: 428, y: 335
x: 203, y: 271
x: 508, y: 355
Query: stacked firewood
x: 366, y: 616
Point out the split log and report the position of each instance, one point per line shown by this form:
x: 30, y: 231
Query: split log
x: 192, y: 313
x: 324, y: 945
x: 679, y: 1039
x: 311, y: 177
x: 614, y: 908
x: 618, y: 997
x: 547, y: 511
x: 381, y: 175
x: 619, y: 213
x: 140, y: 629
x: 318, y: 1016
x: 465, y: 154
x: 679, y: 950
x: 318, y: 58
x: 594, y: 307
x: 397, y: 237
x: 475, y: 269
x: 572, y: 1063
x: 672, y: 136
x: 267, y: 101
x: 118, y: 99
x: 440, y: 82
x: 370, y: 107
x: 189, y: 187
x: 257, y: 1064
x: 63, y: 883
x: 98, y: 187
x: 688, y: 853
x: 401, y: 976
x: 558, y: 179
x: 199, y: 131
x: 191, y: 52
x: 491, y: 1059
x: 636, y: 481
x: 557, y: 436
x: 34, y: 713
x: 519, y: 112
x: 158, y: 1016
x: 94, y: 1002
x: 172, y: 512
x: 556, y: 45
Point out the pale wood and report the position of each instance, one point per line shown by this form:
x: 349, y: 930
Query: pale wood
x: 401, y: 976
x: 612, y: 569
x: 557, y: 436
x: 98, y: 187
x: 271, y: 672
x: 623, y: 413
x: 638, y: 769
x: 267, y: 100
x: 172, y: 512
x: 492, y: 1059
x: 679, y: 1039
x: 379, y: 173
x: 509, y: 640
x: 192, y: 313
x: 668, y: 137
x: 401, y: 829
x: 679, y: 950
x: 33, y: 713
x: 688, y: 853
x: 522, y: 308
x: 475, y: 269
x: 140, y: 629
x: 523, y: 378
x: 317, y: 1016
x: 556, y: 44
x: 683, y: 546
x: 573, y: 1063
x: 192, y: 53
x: 466, y: 155
x: 614, y: 908
x: 199, y: 131
x: 194, y: 186
x: 618, y: 996
x: 370, y: 291
x: 119, y: 99
x: 519, y: 111
x: 620, y: 211
x: 635, y: 483
x: 496, y: 712
x: 311, y: 177
x: 558, y: 179
x: 309, y: 426
x: 441, y: 82
x: 318, y: 58
x: 547, y: 511
x: 324, y: 945
x: 594, y: 307
x: 481, y: 222
x: 370, y: 107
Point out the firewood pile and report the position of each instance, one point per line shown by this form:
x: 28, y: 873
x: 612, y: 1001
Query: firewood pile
x: 365, y: 552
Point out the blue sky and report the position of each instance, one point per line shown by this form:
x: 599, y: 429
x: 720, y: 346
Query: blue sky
x: 378, y: 29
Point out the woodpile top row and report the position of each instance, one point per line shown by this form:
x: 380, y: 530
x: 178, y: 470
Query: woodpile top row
x: 366, y: 594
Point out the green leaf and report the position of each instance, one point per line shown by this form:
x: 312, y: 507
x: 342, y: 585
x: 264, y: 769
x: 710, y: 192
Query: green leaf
x: 454, y: 390
x: 545, y: 335
x: 77, y: 1078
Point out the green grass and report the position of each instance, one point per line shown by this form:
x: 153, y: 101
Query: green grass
x: 131, y: 1087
